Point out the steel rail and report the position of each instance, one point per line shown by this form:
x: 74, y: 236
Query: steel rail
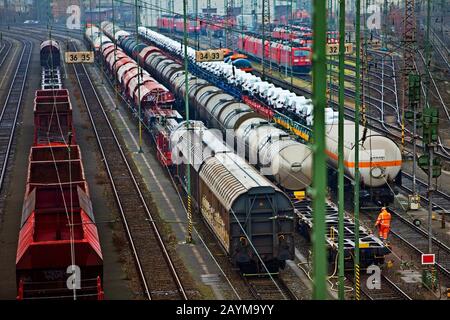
x: 11, y: 108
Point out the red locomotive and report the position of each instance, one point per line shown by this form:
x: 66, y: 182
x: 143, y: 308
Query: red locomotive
x: 176, y: 24
x: 298, y: 32
x: 297, y: 58
x: 58, y: 252
x: 217, y: 25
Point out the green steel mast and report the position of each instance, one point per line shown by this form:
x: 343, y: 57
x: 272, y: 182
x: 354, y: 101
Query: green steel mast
x: 186, y: 101
x: 341, y: 149
x: 99, y: 25
x: 115, y: 45
x: 319, y: 71
x: 429, y: 146
x: 357, y: 119
x: 139, y: 77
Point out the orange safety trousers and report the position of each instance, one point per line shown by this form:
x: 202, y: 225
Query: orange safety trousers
x: 383, y: 232
x: 384, y: 224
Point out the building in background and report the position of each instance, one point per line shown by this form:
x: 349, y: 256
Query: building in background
x: 150, y: 12
x: 60, y: 7
x: 15, y: 10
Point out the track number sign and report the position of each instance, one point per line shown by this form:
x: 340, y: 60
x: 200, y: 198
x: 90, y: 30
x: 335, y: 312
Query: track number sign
x: 209, y: 55
x: 333, y: 49
x: 80, y: 57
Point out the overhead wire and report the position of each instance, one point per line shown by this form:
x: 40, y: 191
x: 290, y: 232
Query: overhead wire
x: 69, y: 216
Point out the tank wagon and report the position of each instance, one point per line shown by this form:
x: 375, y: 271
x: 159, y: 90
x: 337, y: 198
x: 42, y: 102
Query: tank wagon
x: 282, y: 158
x: 380, y: 162
x: 156, y: 101
x: 50, y: 54
x: 58, y: 235
x: 380, y: 156
x: 236, y: 202
x: 95, y: 38
x: 147, y: 91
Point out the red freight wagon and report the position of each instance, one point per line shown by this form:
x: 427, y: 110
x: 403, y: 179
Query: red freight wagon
x: 154, y: 94
x: 57, y: 229
x: 52, y: 118
x: 145, y: 53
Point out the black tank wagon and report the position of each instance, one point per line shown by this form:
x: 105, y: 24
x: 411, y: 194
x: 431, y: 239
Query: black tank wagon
x: 50, y: 52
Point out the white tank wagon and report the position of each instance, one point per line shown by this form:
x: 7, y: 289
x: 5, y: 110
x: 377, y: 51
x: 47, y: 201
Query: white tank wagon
x: 91, y: 32
x: 237, y: 203
x: 96, y: 38
x: 380, y: 159
x: 287, y: 161
x: 113, y: 31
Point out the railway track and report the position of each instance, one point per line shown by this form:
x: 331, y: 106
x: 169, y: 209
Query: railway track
x: 268, y: 288
x: 11, y: 108
x: 388, y: 290
x: 417, y: 239
x: 441, y: 48
x: 157, y: 271
x: 441, y: 200
x: 4, y: 51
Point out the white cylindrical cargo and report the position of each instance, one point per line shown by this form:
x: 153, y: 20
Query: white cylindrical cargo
x: 380, y: 159
x: 289, y: 162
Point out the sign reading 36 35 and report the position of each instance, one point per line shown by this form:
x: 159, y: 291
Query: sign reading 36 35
x: 80, y: 57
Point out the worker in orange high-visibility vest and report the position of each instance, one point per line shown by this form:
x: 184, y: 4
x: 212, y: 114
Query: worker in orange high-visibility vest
x: 383, y: 223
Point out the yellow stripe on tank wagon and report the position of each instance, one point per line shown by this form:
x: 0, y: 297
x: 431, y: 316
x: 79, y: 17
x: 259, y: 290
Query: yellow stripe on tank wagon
x: 301, y: 134
x: 294, y: 130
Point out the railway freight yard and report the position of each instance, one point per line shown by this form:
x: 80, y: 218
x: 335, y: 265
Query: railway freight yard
x: 224, y: 150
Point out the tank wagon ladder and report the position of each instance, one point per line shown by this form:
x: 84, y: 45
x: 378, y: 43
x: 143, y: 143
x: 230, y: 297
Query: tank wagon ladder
x: 10, y: 112
x: 157, y: 271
